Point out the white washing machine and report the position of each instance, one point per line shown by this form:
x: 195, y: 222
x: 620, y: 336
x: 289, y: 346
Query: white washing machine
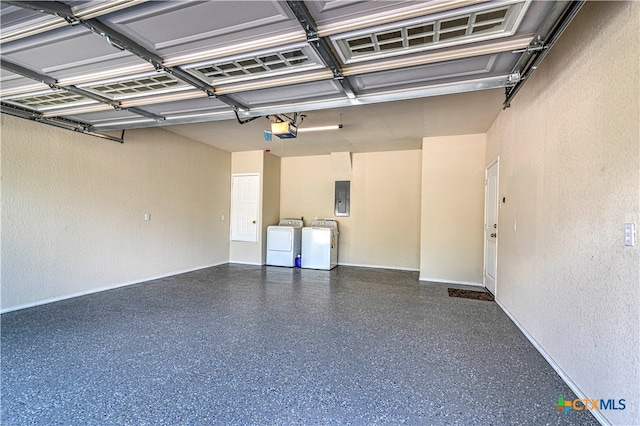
x: 284, y: 242
x: 320, y: 245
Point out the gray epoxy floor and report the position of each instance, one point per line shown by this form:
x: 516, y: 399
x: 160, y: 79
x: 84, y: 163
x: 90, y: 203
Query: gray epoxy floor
x: 238, y: 344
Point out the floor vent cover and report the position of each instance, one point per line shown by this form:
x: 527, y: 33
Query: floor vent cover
x: 470, y: 294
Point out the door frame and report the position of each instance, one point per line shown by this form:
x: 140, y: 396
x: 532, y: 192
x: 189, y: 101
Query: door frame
x: 496, y: 163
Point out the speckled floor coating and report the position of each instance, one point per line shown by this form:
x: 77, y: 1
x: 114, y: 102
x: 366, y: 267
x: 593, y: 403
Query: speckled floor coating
x: 238, y: 344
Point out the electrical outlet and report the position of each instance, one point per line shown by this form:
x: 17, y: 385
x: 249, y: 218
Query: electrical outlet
x: 147, y: 217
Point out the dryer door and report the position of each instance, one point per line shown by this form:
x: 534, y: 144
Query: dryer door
x: 280, y: 239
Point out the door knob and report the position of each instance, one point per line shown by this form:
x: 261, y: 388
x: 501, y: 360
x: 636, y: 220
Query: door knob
x: 493, y: 235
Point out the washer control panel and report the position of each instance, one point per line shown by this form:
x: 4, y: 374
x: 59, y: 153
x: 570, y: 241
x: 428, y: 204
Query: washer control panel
x: 296, y: 223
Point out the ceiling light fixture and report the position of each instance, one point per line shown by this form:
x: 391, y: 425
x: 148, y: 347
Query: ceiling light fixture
x: 289, y: 128
x: 319, y: 128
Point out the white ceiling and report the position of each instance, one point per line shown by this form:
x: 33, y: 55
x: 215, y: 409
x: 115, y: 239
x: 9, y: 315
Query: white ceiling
x: 398, y: 125
x: 390, y: 71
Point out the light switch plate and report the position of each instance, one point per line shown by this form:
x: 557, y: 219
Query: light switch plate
x: 629, y: 234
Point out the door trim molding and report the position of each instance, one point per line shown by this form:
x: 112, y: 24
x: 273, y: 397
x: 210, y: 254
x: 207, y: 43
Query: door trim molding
x: 496, y: 162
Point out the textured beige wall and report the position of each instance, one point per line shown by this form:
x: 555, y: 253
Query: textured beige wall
x: 73, y: 210
x: 453, y: 169
x: 244, y: 251
x: 270, y: 198
x: 569, y: 151
x: 383, y: 229
x: 306, y: 188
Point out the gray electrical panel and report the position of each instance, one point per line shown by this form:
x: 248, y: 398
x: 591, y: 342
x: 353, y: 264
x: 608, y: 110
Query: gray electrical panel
x: 342, y: 195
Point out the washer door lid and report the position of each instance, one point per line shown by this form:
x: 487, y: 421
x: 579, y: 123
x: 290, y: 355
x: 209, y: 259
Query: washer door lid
x: 280, y: 239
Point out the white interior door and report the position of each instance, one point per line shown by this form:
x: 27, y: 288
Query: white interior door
x: 245, y: 207
x: 491, y: 227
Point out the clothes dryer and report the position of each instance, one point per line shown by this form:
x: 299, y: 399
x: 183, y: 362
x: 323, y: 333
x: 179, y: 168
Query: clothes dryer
x: 284, y: 242
x: 320, y: 245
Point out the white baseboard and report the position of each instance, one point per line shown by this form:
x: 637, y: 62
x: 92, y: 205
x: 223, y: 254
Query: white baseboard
x: 244, y: 263
x: 596, y: 413
x: 361, y: 265
x: 99, y: 289
x: 441, y: 281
